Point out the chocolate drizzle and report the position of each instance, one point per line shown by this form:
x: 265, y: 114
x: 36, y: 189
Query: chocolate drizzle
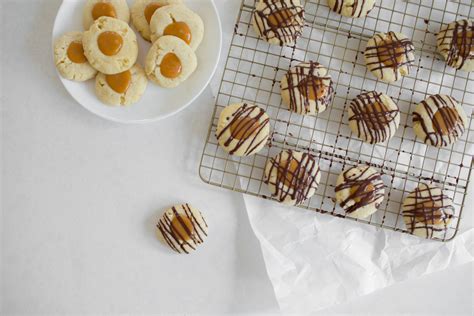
x: 441, y: 127
x: 456, y: 42
x: 304, y: 82
x: 175, y: 238
x: 249, y: 121
x: 292, y: 176
x: 358, y: 7
x: 427, y: 211
x: 389, y: 52
x: 376, y: 120
x: 279, y: 21
x: 365, y: 187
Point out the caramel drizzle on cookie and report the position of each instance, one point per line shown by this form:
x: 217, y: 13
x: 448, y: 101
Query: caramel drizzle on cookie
x: 461, y: 43
x: 303, y: 78
x: 357, y: 7
x: 428, y: 211
x: 182, y: 232
x: 444, y: 125
x: 281, y: 19
x: 373, y: 117
x: 295, y: 178
x: 389, y: 52
x: 246, y: 121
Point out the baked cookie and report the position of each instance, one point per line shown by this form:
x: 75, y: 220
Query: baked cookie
x: 70, y: 60
x: 124, y: 88
x: 373, y: 117
x: 456, y: 44
x: 170, y: 62
x: 307, y: 88
x: 360, y: 191
x: 110, y: 46
x: 179, y: 21
x: 95, y: 9
x: 243, y: 129
x: 182, y: 227
x: 279, y: 22
x: 352, y: 8
x: 427, y: 212
x: 439, y: 120
x: 389, y: 56
x: 292, y: 176
x: 143, y: 10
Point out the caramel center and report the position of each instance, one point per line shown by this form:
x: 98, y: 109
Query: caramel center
x: 289, y: 172
x: 150, y: 9
x: 244, y: 127
x: 429, y: 211
x: 445, y: 120
x: 391, y: 52
x: 75, y: 53
x: 171, y: 66
x: 376, y: 115
x: 465, y: 44
x: 103, y: 9
x: 182, y: 227
x: 179, y: 29
x: 119, y: 82
x: 313, y: 88
x: 281, y: 18
x: 358, y: 193
x: 110, y: 43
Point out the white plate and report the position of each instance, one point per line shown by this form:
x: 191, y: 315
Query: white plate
x: 157, y: 103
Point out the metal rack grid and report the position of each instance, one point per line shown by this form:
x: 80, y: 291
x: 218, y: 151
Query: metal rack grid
x: 254, y: 68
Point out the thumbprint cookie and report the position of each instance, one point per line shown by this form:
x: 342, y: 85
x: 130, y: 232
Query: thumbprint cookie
x: 352, y: 8
x: 94, y: 9
x: 292, y: 176
x: 456, y: 44
x: 307, y: 88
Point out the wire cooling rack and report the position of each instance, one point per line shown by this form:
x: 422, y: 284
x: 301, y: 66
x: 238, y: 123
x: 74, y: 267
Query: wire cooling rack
x: 252, y: 74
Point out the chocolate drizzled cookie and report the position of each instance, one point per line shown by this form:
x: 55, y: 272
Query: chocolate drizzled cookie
x: 279, y: 22
x: 389, y: 56
x: 360, y: 191
x: 456, y: 44
x: 374, y: 117
x: 352, y: 8
x: 427, y: 211
x: 243, y: 129
x: 307, y: 88
x: 439, y: 120
x: 292, y: 176
x: 182, y: 228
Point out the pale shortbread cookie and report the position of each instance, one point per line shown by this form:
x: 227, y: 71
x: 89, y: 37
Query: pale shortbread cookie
x: 352, y: 8
x: 456, y: 44
x: 177, y: 55
x: 70, y: 60
x: 243, y: 129
x: 307, y: 88
x: 439, y: 120
x: 292, y: 176
x: 427, y: 212
x: 389, y: 56
x: 182, y: 227
x: 124, y: 88
x: 279, y: 22
x: 373, y: 117
x: 123, y: 58
x: 142, y: 11
x: 94, y: 9
x: 177, y: 20
x: 360, y: 191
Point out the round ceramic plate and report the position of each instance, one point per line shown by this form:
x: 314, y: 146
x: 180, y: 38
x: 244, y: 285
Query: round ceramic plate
x: 157, y: 103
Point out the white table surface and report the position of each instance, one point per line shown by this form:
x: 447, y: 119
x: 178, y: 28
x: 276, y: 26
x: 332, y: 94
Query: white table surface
x: 81, y: 196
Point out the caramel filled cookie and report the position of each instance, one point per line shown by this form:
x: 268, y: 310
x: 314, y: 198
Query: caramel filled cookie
x: 456, y: 44
x: 307, y: 88
x: 243, y: 129
x: 439, y: 120
x: 389, y: 56
x: 427, y: 212
x: 360, y: 191
x: 292, y: 176
x: 94, y: 9
x: 182, y: 227
x: 279, y: 22
x: 352, y: 8
x: 373, y: 117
